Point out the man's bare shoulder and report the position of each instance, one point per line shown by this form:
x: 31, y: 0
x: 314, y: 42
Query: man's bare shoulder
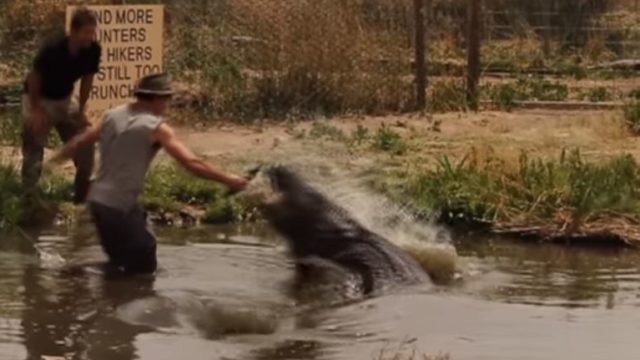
x: 164, y: 132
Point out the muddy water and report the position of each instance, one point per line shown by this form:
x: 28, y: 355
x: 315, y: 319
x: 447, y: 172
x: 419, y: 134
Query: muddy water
x: 221, y: 294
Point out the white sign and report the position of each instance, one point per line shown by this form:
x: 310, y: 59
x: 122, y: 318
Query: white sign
x: 131, y: 39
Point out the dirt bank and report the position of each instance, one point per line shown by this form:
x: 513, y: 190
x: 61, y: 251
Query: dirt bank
x: 600, y: 134
x: 323, y: 145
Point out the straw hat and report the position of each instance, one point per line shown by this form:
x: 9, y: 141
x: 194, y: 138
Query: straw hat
x: 154, y: 84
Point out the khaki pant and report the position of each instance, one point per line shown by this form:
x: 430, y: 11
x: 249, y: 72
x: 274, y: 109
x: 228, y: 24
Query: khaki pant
x: 64, y: 116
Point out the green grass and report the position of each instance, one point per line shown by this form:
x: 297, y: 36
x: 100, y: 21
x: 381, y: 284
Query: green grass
x: 526, y: 88
x: 10, y: 207
x: 599, y: 94
x: 11, y: 123
x: 384, y: 139
x: 170, y: 189
x: 503, y: 95
x: 533, y: 192
x: 14, y: 210
x: 167, y: 190
x: 542, y: 89
x: 596, y: 94
x: 634, y: 94
x: 359, y: 135
x: 10, y: 127
x: 390, y: 141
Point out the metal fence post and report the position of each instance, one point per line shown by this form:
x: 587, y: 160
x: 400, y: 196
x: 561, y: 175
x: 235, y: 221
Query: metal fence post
x: 547, y: 24
x: 473, y: 52
x: 420, y: 53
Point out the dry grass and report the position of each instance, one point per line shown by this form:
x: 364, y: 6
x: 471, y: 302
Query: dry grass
x: 610, y: 127
x: 249, y: 59
x: 297, y: 58
x: 23, y: 15
x: 520, y: 52
x: 402, y: 351
x: 326, y: 53
x: 23, y: 25
x: 412, y: 356
x: 596, y: 50
x: 318, y: 35
x: 540, y: 132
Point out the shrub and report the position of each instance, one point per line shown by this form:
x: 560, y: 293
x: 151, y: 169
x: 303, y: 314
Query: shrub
x: 390, y: 141
x: 599, y: 94
x: 539, y: 88
x: 324, y: 130
x: 531, y: 194
x: 16, y: 209
x: 169, y: 189
x: 504, y: 95
x: 359, y: 135
x: 632, y: 116
x: 450, y: 95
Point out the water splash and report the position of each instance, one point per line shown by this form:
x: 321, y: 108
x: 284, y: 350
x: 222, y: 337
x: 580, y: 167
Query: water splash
x: 49, y: 258
x: 428, y: 243
x: 189, y: 314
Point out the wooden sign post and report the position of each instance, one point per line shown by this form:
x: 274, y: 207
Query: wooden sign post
x: 131, y: 38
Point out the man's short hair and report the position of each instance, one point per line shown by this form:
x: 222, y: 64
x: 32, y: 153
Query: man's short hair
x: 83, y: 17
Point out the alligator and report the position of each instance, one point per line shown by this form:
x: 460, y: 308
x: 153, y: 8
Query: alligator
x: 327, y: 244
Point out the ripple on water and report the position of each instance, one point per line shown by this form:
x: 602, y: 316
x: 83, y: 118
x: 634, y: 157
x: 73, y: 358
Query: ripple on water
x: 237, y: 273
x: 11, y: 282
x: 557, y: 276
x: 222, y: 300
x: 10, y: 330
x: 213, y: 291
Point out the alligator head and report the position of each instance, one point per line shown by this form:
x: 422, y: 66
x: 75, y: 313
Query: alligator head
x: 325, y: 239
x: 312, y: 225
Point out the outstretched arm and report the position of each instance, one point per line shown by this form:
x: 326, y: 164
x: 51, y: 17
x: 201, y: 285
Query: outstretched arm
x: 165, y: 135
x: 87, y: 137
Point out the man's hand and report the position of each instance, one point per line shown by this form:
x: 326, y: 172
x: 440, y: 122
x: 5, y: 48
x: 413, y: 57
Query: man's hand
x: 38, y: 121
x: 84, y: 119
x: 89, y: 136
x: 237, y: 183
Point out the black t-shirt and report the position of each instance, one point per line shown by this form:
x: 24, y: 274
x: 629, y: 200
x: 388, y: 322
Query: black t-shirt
x: 59, y: 69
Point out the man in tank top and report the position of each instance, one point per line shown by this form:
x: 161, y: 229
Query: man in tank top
x: 129, y: 137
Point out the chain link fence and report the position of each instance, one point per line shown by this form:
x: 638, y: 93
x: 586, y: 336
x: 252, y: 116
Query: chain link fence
x: 561, y: 51
x: 247, y: 59
x: 272, y: 58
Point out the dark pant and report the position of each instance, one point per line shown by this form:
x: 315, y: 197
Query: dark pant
x: 126, y: 238
x: 64, y: 117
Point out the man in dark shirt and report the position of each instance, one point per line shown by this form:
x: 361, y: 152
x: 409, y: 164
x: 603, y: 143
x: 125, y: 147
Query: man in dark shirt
x: 47, y: 99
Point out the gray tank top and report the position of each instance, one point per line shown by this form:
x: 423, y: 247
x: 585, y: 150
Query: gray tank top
x: 126, y: 151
